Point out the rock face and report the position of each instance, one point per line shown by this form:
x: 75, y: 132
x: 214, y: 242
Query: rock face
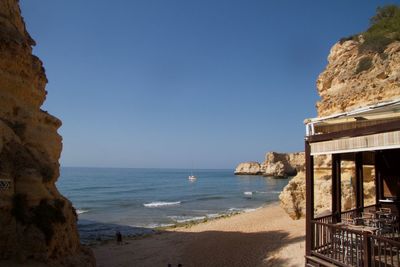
x: 283, y: 164
x: 248, y: 168
x: 352, y: 79
x: 36, y: 221
x: 293, y: 196
x: 275, y: 164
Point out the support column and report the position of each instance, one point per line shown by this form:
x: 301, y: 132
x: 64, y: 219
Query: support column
x: 378, y: 178
x: 309, y: 199
x: 359, y: 183
x: 336, y: 189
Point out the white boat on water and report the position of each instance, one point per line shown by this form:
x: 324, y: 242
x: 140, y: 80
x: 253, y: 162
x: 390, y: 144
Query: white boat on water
x: 192, y: 177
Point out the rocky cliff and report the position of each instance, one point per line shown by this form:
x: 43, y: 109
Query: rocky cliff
x: 293, y: 196
x: 275, y: 164
x: 353, y: 79
x: 36, y: 221
x: 248, y: 168
x: 362, y: 69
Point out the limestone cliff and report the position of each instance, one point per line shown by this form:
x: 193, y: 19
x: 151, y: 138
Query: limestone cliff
x: 362, y: 70
x: 353, y: 79
x: 283, y: 164
x: 36, y: 221
x: 293, y: 196
x: 275, y: 164
x: 248, y: 168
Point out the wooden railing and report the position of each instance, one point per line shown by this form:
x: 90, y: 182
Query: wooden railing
x: 384, y: 252
x: 341, y: 246
x: 349, y: 214
x: 347, y: 247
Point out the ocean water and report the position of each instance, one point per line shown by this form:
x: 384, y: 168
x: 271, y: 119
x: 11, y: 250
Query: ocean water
x: 135, y: 201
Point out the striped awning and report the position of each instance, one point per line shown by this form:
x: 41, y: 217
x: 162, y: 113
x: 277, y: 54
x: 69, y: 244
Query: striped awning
x: 389, y: 140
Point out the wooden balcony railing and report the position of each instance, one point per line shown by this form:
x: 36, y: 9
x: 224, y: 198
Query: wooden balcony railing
x: 347, y: 247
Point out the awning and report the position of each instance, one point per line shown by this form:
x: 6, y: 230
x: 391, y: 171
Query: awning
x: 381, y: 141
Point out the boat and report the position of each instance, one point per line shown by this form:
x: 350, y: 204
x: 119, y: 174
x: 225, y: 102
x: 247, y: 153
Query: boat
x: 191, y: 176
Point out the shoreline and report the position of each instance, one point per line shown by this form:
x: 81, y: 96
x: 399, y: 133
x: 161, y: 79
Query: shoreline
x: 92, y: 243
x: 263, y: 237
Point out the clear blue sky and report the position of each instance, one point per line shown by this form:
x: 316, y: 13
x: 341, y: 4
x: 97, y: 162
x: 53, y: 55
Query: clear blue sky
x: 163, y: 83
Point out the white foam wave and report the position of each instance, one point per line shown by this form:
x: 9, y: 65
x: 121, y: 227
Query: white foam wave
x: 248, y: 193
x: 242, y: 209
x: 78, y: 211
x: 249, y: 210
x: 276, y: 192
x: 213, y: 215
x: 156, y: 225
x: 184, y: 219
x: 161, y: 204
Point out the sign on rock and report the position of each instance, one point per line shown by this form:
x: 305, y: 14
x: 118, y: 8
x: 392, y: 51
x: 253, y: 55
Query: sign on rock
x: 5, y: 184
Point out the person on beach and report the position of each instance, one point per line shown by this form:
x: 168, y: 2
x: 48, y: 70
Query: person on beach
x: 119, y: 237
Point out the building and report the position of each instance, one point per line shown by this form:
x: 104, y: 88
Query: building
x: 364, y: 235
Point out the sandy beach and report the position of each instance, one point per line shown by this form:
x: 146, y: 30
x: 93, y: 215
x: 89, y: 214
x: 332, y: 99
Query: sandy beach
x: 264, y: 237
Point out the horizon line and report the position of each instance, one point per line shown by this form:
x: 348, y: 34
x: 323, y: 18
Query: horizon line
x: 169, y: 168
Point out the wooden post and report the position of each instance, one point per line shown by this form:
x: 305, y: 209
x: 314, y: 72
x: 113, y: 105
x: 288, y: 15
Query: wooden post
x: 367, y: 250
x: 336, y: 189
x: 378, y: 178
x: 309, y: 199
x: 359, y: 183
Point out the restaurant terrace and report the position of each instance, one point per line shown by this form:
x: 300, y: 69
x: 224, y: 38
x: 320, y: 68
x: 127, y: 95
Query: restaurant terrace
x: 362, y: 234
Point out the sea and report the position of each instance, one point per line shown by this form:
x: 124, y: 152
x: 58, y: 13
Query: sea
x: 139, y: 201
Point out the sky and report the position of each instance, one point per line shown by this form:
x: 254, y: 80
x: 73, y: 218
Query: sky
x: 182, y: 83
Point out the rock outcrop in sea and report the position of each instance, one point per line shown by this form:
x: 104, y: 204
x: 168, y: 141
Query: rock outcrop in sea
x: 36, y: 221
x: 249, y: 168
x: 275, y: 164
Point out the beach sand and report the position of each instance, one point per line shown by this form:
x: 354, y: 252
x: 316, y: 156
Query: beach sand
x: 264, y: 237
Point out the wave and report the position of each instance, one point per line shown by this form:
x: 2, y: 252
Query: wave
x: 248, y: 193
x: 234, y: 210
x: 276, y: 192
x: 79, y: 211
x: 157, y: 225
x: 211, y: 198
x: 184, y: 219
x: 161, y: 204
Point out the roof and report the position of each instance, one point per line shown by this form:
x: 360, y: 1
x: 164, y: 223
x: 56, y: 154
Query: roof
x: 373, y: 114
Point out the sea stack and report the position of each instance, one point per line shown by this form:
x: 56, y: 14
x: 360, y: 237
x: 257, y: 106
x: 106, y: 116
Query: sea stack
x: 276, y: 164
x: 36, y: 222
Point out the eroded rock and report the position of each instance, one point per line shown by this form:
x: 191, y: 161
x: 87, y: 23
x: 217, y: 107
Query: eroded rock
x: 343, y: 86
x: 36, y: 221
x: 248, y: 168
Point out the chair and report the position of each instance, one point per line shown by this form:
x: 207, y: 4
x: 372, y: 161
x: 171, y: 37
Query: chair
x: 367, y: 218
x: 348, y: 221
x: 385, y: 210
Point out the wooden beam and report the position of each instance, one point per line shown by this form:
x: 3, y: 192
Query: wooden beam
x: 379, y: 128
x: 309, y: 199
x: 359, y: 183
x: 378, y: 178
x: 336, y: 189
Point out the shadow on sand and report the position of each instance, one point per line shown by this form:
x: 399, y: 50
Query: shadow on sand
x: 93, y: 232
x: 202, y: 249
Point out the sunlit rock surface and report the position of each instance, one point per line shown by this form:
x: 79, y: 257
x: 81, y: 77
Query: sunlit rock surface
x: 36, y: 221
